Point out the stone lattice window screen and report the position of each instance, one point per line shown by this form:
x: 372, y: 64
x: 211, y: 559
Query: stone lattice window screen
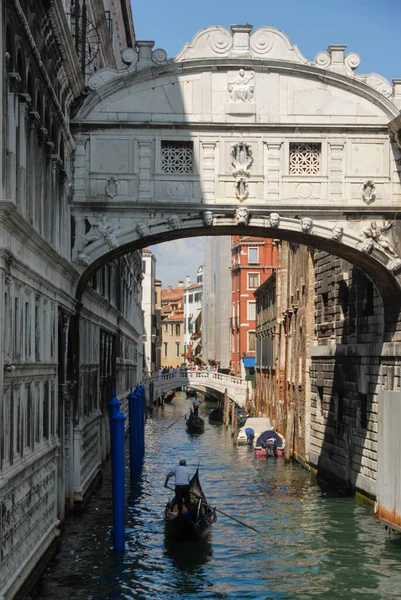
x: 305, y: 159
x: 177, y: 157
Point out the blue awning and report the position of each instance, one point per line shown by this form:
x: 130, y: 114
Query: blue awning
x: 249, y: 362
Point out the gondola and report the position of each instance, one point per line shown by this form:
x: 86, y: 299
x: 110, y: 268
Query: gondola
x: 190, y: 393
x: 216, y: 414
x: 195, y: 424
x: 195, y: 523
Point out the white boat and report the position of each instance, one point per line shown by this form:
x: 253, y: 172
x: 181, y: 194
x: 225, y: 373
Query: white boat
x: 258, y: 424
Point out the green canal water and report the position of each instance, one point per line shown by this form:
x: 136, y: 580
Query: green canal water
x: 320, y: 546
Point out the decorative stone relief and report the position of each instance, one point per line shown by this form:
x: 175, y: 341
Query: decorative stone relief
x: 242, y: 159
x: 306, y: 224
x: 207, y: 218
x: 241, y: 215
x: 112, y: 187
x: 241, y: 88
x: 337, y: 232
x: 174, y: 222
x: 376, y: 238
x: 99, y: 230
x: 368, y: 192
x: 394, y: 265
x: 274, y: 220
x: 142, y: 230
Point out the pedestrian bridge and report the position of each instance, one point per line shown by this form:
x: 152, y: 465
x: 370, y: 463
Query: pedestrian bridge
x: 203, y: 381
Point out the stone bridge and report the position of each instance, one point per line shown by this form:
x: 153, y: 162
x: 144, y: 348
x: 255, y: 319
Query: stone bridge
x: 203, y: 381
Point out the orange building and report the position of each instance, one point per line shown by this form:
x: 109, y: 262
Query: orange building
x: 172, y: 325
x: 253, y: 261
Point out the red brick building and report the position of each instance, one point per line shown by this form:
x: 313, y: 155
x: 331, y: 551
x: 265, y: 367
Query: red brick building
x: 253, y: 261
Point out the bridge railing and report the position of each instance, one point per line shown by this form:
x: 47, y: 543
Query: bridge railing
x: 188, y: 376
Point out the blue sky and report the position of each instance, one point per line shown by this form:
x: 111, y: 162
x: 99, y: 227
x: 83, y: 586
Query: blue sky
x: 371, y: 28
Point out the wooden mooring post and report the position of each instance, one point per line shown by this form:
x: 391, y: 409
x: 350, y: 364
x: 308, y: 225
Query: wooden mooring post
x: 226, y: 407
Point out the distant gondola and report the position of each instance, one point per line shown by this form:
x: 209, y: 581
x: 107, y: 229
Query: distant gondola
x: 192, y: 524
x: 216, y: 414
x: 190, y: 393
x: 195, y: 424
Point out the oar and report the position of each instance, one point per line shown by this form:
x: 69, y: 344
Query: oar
x: 229, y: 516
x: 182, y: 416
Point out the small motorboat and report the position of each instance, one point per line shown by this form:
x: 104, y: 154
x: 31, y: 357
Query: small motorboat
x: 194, y: 522
x: 269, y: 443
x: 195, y: 424
x: 258, y: 424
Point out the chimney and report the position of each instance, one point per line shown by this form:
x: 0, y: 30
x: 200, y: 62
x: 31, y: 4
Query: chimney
x: 180, y: 283
x: 187, y: 281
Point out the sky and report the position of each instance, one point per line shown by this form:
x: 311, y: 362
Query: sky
x: 371, y: 28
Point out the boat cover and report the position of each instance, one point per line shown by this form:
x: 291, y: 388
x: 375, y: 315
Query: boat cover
x: 267, y: 435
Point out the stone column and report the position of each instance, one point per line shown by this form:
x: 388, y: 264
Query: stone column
x: 146, y: 161
x: 208, y: 171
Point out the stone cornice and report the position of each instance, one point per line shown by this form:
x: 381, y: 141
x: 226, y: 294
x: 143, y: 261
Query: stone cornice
x: 65, y: 43
x: 17, y: 225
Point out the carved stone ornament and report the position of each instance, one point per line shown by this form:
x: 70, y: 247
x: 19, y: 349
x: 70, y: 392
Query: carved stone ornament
x: 83, y: 260
x: 107, y: 231
x: 99, y: 230
x: 375, y: 236
x: 274, y: 220
x: 337, y: 233
x: 394, y: 265
x: 368, y: 192
x: 241, y: 215
x: 174, y: 222
x: 241, y: 89
x: 306, y: 224
x: 112, y: 187
x: 241, y: 160
x: 142, y: 230
x: 208, y: 218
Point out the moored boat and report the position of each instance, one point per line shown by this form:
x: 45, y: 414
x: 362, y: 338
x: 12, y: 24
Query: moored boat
x: 216, y: 414
x: 269, y: 443
x: 194, y: 522
x: 195, y: 424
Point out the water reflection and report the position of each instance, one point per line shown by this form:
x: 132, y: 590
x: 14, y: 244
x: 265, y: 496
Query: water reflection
x: 320, y: 545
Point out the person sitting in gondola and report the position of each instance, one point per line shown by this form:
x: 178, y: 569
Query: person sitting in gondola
x: 195, y: 404
x: 182, y: 476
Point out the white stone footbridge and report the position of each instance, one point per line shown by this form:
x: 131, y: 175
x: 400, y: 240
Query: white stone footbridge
x: 203, y: 381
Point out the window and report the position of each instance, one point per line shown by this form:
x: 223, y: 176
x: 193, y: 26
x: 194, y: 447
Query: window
x: 363, y: 410
x: 253, y: 256
x: 143, y: 266
x: 251, y: 341
x: 171, y: 328
x: 190, y: 298
x: 166, y: 327
x: 165, y: 349
x: 177, y: 349
x: 198, y: 297
x: 199, y: 278
x: 251, y: 311
x: 253, y: 281
x: 305, y: 159
x: 177, y: 329
x: 177, y: 157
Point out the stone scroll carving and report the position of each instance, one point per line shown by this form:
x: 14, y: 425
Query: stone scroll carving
x: 99, y: 230
x: 241, y: 160
x: 241, y: 89
x: 375, y: 238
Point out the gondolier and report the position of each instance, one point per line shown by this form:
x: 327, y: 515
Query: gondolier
x: 182, y: 476
x: 195, y: 405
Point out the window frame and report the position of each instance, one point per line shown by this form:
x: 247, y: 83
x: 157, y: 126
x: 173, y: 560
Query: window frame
x: 256, y: 249
x: 249, y: 287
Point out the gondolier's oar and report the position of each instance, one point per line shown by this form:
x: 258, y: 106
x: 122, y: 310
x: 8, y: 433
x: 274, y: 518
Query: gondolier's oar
x: 182, y: 416
x: 233, y: 518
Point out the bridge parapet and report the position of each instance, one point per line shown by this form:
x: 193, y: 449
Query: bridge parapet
x: 203, y: 381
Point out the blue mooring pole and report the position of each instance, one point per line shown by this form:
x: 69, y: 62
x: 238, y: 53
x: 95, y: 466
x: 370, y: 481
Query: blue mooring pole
x: 132, y: 400
x: 142, y: 422
x: 117, y: 435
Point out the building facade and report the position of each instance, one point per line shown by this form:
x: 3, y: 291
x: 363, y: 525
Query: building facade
x: 151, y: 332
x: 253, y: 261
x: 59, y: 359
x: 172, y: 326
x: 193, y: 299
x: 216, y: 301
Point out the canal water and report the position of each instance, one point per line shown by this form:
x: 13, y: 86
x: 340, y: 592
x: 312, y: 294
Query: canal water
x: 320, y: 545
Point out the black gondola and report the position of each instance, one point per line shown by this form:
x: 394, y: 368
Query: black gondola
x: 190, y: 393
x: 216, y: 414
x: 193, y: 523
x: 195, y: 424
